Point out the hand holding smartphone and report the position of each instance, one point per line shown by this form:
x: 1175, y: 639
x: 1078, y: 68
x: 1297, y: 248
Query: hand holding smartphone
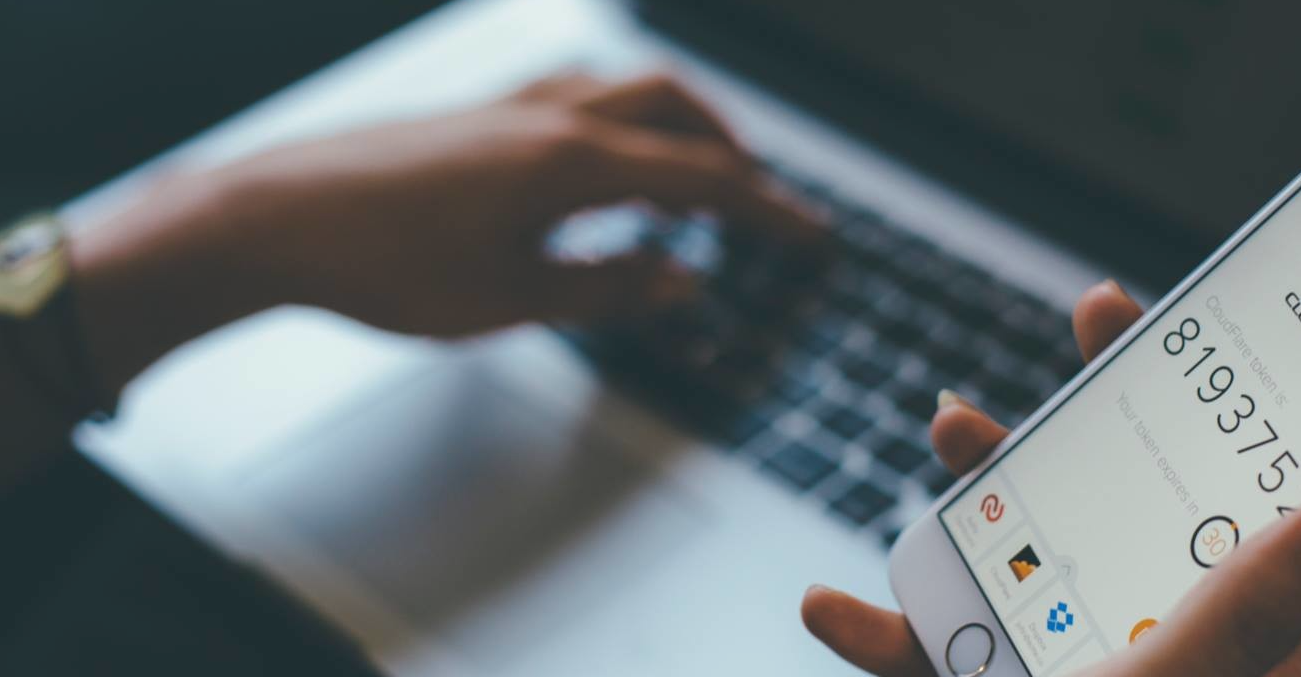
x: 1091, y: 521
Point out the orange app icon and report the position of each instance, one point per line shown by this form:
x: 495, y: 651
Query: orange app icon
x: 1141, y: 629
x: 1024, y: 563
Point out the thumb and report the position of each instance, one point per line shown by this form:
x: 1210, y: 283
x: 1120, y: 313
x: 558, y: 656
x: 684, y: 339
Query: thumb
x: 1242, y: 619
x: 621, y: 286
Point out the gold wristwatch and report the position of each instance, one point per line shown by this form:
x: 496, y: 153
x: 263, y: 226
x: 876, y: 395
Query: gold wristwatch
x: 33, y: 265
x: 39, y: 329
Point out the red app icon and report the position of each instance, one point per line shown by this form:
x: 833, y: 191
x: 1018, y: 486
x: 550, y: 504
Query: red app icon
x: 992, y: 507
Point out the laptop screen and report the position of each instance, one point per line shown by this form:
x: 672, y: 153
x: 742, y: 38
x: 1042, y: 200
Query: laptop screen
x: 1189, y: 107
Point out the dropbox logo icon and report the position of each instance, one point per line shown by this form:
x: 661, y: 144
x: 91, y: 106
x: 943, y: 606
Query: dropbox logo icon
x: 1060, y: 619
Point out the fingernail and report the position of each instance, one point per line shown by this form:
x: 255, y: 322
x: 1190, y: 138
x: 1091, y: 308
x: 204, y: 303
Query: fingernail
x: 1115, y: 286
x: 948, y: 398
x: 817, y: 587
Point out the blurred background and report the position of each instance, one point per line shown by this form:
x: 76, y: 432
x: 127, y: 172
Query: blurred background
x: 1151, y: 117
x: 91, y: 89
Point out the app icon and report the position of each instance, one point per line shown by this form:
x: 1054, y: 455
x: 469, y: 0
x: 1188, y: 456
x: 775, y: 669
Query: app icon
x: 1060, y: 618
x: 992, y: 507
x: 1024, y: 563
x: 1141, y: 628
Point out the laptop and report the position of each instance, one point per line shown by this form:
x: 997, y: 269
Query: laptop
x: 653, y: 497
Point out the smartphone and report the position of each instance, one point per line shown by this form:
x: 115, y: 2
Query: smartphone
x: 1095, y: 516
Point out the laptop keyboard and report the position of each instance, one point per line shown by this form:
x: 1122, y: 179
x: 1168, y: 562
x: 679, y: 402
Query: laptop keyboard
x: 824, y: 375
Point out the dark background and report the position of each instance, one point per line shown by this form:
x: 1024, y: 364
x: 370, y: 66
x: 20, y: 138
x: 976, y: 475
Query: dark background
x: 92, y: 88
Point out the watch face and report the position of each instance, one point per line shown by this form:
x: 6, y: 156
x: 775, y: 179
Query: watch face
x: 33, y: 265
x: 27, y: 242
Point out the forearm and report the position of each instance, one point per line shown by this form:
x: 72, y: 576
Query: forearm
x: 161, y: 274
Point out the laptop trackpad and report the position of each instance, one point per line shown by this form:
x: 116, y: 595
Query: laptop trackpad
x: 474, y: 512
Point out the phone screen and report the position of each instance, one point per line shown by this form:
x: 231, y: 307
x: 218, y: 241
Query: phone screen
x: 1088, y: 532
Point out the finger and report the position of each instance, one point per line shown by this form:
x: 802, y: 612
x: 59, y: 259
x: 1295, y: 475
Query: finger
x: 659, y: 100
x: 615, y: 163
x: 1103, y: 313
x: 568, y: 87
x: 1240, y: 620
x: 620, y: 286
x: 1290, y: 667
x: 962, y: 435
x: 873, y: 639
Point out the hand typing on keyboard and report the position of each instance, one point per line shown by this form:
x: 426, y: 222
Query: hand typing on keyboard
x: 1241, y: 620
x: 432, y: 226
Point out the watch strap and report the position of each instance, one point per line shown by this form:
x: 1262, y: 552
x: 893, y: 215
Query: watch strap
x: 48, y: 351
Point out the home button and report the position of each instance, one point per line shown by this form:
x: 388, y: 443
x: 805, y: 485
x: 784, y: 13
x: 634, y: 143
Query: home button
x: 970, y: 650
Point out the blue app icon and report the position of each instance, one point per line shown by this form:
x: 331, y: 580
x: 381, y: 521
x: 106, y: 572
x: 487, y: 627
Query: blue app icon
x: 1060, y: 618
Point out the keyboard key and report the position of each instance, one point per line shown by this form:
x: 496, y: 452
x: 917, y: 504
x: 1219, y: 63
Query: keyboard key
x: 921, y: 404
x: 851, y: 303
x: 801, y: 465
x: 940, y: 483
x: 864, y: 216
x: 821, y: 337
x: 798, y: 272
x: 863, y: 502
x: 957, y: 363
x: 741, y: 364
x: 735, y: 431
x: 794, y: 391
x: 900, y: 332
x: 933, y: 292
x: 976, y: 316
x: 867, y: 373
x: 1011, y: 394
x: 868, y: 259
x: 845, y: 422
x: 1065, y: 368
x: 1024, y: 343
x: 903, y: 456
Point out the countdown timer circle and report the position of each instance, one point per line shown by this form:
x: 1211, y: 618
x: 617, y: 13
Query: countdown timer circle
x: 1203, y: 556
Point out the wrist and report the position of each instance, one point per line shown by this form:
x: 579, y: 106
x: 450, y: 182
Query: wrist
x: 164, y: 272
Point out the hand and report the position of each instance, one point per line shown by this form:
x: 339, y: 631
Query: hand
x: 1241, y: 620
x: 432, y: 227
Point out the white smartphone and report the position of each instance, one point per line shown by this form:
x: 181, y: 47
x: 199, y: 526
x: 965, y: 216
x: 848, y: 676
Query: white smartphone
x: 1101, y: 511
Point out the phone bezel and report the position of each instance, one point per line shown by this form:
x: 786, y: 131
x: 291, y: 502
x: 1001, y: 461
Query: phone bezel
x: 929, y: 577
